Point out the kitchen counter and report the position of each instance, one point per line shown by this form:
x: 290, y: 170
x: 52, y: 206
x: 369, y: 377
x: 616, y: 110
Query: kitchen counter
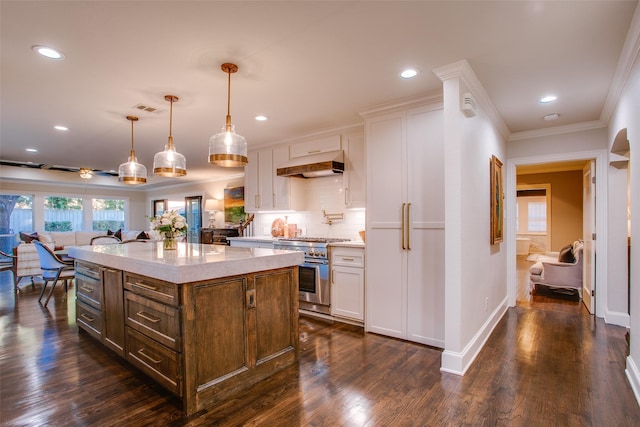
x: 349, y: 244
x: 191, y: 262
x: 259, y: 239
x: 203, y: 321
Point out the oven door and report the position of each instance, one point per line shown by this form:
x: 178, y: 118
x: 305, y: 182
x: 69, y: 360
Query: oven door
x: 313, y: 282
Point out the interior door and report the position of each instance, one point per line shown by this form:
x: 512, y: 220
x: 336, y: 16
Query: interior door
x: 193, y: 214
x: 588, y: 235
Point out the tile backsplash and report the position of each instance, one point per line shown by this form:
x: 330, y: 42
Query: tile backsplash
x: 324, y: 193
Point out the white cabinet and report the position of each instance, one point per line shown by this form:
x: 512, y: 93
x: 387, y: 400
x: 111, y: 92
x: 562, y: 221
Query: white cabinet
x: 405, y: 224
x: 347, y: 283
x: 315, y: 146
x: 264, y: 190
x: 354, y: 171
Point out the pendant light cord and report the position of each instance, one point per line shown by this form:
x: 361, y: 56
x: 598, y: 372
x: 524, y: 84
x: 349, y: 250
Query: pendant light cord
x: 133, y: 153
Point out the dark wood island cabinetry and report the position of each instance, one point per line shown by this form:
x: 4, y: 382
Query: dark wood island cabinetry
x: 203, y: 340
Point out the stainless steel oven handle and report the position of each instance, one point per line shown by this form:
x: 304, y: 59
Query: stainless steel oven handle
x: 315, y: 262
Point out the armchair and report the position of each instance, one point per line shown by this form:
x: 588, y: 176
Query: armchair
x: 53, y: 269
x: 555, y: 273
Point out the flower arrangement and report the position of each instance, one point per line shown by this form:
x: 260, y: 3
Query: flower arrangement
x: 169, y: 225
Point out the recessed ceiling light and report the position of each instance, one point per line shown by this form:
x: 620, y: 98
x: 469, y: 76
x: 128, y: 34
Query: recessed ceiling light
x: 49, y: 52
x: 550, y: 117
x: 262, y: 118
x: 407, y: 74
x: 31, y: 150
x: 547, y: 99
x: 60, y: 127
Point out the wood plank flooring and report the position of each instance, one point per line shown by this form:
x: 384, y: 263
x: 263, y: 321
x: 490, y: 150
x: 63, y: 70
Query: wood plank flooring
x: 547, y: 364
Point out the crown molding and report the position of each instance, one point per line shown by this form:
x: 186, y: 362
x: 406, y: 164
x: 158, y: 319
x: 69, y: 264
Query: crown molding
x: 556, y: 130
x: 463, y: 71
x: 628, y: 57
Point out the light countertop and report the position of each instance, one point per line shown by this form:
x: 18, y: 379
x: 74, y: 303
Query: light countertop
x: 261, y: 239
x: 189, y: 263
x: 349, y: 244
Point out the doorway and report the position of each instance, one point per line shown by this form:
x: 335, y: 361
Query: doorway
x: 515, y: 165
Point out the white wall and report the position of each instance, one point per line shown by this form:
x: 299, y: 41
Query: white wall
x: 206, y: 189
x: 627, y: 115
x: 476, y: 287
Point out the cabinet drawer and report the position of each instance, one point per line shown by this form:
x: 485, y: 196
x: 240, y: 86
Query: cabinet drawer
x: 155, y: 360
x: 152, y: 288
x: 88, y: 287
x: 89, y: 319
x: 348, y: 257
x: 158, y: 321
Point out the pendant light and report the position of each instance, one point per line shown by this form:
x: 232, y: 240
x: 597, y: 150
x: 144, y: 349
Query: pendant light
x: 169, y: 162
x: 132, y: 172
x: 227, y: 148
x: 86, y: 173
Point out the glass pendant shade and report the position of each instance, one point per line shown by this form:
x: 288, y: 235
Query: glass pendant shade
x: 132, y: 172
x: 169, y: 162
x: 227, y: 148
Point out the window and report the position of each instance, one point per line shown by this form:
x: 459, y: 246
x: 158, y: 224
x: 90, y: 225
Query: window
x: 16, y: 215
x: 531, y: 211
x: 62, y: 213
x: 108, y: 214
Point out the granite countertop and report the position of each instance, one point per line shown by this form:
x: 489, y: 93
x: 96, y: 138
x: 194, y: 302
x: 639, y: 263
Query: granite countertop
x: 265, y: 239
x: 189, y: 263
x: 349, y: 244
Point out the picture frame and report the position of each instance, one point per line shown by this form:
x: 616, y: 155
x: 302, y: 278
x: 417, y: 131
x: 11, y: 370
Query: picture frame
x: 497, y: 201
x: 159, y: 206
x: 234, y: 213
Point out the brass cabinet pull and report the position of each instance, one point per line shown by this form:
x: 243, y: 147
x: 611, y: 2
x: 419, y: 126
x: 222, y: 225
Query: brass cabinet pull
x: 313, y: 151
x: 87, y: 290
x: 146, y: 356
x: 87, y: 318
x: 404, y: 246
x: 409, y: 226
x: 347, y: 259
x: 256, y: 201
x: 145, y: 286
x: 346, y: 199
x: 147, y: 316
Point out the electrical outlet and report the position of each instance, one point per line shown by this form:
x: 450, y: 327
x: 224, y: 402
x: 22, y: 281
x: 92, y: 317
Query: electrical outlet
x: 486, y: 304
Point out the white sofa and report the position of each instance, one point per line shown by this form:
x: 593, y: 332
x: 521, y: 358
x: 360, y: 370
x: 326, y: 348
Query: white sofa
x: 27, y: 262
x: 555, y: 274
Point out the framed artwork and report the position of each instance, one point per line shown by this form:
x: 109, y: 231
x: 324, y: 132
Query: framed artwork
x: 497, y: 201
x: 234, y: 205
x: 159, y: 206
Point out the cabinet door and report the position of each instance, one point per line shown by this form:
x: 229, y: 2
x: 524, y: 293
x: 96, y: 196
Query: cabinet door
x: 113, y: 310
x: 354, y: 173
x: 265, y: 179
x: 251, y: 198
x: 425, y: 258
x: 281, y: 184
x: 347, y: 292
x: 386, y: 260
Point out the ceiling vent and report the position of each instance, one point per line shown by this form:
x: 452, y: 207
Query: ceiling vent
x: 147, y: 108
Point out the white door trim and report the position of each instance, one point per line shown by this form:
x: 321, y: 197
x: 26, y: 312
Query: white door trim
x: 602, y: 164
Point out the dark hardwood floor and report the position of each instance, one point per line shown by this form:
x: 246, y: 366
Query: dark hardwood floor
x: 548, y: 363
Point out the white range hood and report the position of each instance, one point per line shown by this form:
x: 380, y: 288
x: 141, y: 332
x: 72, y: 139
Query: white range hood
x: 322, y: 164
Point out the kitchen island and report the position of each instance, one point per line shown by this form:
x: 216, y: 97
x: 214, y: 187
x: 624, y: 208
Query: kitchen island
x: 204, y: 321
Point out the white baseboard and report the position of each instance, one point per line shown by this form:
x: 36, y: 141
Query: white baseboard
x: 458, y: 362
x: 633, y: 375
x: 617, y: 318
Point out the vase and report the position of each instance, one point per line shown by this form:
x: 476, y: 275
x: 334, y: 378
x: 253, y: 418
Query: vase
x: 170, y: 243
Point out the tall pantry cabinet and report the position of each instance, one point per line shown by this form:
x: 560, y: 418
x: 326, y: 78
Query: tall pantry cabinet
x: 405, y: 224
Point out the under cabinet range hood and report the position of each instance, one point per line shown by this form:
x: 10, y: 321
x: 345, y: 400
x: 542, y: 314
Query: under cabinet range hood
x: 323, y: 164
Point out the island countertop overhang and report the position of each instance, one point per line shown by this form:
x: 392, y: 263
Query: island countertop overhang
x: 191, y: 262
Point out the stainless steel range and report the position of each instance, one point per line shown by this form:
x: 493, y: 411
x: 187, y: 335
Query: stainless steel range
x: 313, y: 281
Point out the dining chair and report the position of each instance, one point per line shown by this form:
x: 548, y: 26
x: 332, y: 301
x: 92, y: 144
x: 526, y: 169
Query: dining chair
x: 53, y: 269
x: 8, y: 262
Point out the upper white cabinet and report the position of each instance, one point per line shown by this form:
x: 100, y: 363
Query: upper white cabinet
x: 354, y: 179
x: 264, y: 190
x: 315, y: 146
x: 405, y: 224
